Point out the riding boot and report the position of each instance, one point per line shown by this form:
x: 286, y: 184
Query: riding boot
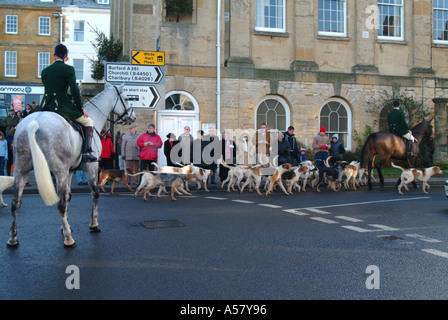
x: 87, y: 153
x: 409, y: 149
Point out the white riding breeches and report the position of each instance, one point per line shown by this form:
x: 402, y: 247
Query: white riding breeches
x: 86, y: 122
x: 409, y: 136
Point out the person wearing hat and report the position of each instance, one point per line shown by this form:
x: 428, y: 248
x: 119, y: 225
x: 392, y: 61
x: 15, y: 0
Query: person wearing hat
x: 399, y: 126
x: 149, y: 143
x: 130, y: 152
x: 10, y: 122
x: 321, y: 145
x: 302, y: 156
x: 57, y: 79
x: 168, y: 146
x: 336, y: 149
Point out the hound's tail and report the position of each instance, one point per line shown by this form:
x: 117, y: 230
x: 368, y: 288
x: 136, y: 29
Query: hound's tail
x: 41, y: 170
x: 395, y: 166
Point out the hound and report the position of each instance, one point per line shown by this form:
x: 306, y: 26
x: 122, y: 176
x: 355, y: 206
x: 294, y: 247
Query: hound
x: 115, y: 176
x: 409, y: 175
x: 200, y: 174
x: 5, y: 183
x: 349, y: 172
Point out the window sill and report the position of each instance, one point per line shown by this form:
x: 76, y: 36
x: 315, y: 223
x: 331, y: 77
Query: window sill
x: 440, y: 45
x: 271, y: 34
x: 334, y: 38
x: 392, y: 41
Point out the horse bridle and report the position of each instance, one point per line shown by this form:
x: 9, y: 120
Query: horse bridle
x: 120, y: 118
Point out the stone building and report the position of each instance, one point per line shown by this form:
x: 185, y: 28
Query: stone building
x: 313, y: 63
x: 30, y: 31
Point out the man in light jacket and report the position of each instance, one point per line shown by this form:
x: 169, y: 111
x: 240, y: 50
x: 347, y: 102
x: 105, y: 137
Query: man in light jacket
x: 130, y: 152
x: 321, y: 145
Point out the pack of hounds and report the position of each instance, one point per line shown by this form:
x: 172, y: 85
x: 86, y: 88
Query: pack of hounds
x: 255, y: 177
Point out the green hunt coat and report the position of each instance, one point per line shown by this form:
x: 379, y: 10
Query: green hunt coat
x: 397, y: 122
x: 57, y: 79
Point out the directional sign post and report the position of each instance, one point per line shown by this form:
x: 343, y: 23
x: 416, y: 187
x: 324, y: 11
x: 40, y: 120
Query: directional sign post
x: 150, y: 58
x: 144, y: 84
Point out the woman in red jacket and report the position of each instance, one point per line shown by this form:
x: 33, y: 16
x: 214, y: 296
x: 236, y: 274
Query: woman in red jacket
x: 106, y: 158
x: 149, y: 142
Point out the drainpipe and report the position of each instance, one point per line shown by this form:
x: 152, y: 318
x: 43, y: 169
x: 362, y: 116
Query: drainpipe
x: 218, y: 69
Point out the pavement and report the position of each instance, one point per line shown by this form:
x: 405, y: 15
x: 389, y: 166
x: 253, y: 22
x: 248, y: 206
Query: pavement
x: 119, y: 187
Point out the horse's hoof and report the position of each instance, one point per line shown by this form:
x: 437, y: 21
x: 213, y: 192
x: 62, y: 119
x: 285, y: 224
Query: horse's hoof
x: 95, y: 229
x: 70, y: 245
x: 12, y: 244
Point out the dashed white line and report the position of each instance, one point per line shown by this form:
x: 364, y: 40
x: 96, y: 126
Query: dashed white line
x: 324, y: 220
x: 349, y: 219
x: 357, y: 229
x: 244, y: 201
x: 273, y: 206
x: 436, y: 252
x: 423, y: 238
x: 383, y: 228
x: 317, y: 211
x: 216, y: 198
x: 296, y: 212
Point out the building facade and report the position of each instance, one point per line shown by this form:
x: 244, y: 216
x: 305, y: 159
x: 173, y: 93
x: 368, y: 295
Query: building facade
x: 30, y: 31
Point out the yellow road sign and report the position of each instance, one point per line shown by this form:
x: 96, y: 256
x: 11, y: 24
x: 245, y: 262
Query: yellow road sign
x: 149, y: 58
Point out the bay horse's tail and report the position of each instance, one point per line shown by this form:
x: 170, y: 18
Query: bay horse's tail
x: 41, y: 170
x: 364, y: 148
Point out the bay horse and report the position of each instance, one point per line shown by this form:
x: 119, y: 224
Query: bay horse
x: 46, y: 143
x: 391, y: 146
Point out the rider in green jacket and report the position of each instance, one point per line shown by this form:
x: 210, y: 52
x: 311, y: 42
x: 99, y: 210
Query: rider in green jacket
x: 398, y: 125
x: 57, y: 79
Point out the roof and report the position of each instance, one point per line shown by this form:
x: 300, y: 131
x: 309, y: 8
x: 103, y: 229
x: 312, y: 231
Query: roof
x: 91, y: 4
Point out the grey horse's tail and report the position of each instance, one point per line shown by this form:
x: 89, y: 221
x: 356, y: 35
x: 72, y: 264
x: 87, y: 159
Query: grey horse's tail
x: 41, y: 169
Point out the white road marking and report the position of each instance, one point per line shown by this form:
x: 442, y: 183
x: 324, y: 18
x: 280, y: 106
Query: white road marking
x: 357, y: 229
x: 244, y: 201
x: 216, y: 198
x: 273, y: 206
x: 296, y: 212
x: 324, y: 220
x: 383, y: 228
x: 349, y: 219
x: 436, y: 252
x: 317, y: 211
x: 423, y: 238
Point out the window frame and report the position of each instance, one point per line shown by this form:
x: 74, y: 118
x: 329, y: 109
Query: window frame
x: 279, y: 100
x: 380, y: 21
x: 77, y: 71
x: 331, y: 33
x: 434, y: 23
x: 41, y: 66
x: 7, y: 64
x: 106, y: 2
x: 78, y: 32
x: 348, y: 134
x: 41, y: 25
x: 16, y: 23
x: 259, y: 6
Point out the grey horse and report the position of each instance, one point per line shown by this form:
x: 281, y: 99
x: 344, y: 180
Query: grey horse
x: 46, y: 143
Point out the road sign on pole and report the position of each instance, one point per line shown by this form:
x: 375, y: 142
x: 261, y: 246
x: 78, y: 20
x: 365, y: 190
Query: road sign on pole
x: 144, y: 85
x: 150, y: 58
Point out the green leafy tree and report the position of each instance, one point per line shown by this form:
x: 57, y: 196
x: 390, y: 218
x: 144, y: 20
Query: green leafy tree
x: 107, y: 49
x: 178, y: 7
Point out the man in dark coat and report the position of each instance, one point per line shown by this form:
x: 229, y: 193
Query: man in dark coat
x: 57, y: 79
x: 398, y: 125
x: 293, y: 146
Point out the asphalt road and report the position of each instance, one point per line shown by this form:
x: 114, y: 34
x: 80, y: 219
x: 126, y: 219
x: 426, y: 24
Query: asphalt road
x: 218, y: 246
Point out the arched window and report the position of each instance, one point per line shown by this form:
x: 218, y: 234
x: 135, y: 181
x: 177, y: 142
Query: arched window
x: 273, y: 111
x: 180, y: 101
x: 335, y: 116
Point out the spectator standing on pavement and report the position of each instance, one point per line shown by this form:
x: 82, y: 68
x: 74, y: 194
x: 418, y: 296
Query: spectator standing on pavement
x: 168, y: 145
x: 211, y: 152
x: 3, y: 153
x: 262, y: 140
x: 186, y: 142
x: 321, y: 145
x: 337, y: 149
x: 228, y: 148
x: 106, y: 158
x: 130, y: 152
x: 293, y: 145
x: 149, y: 142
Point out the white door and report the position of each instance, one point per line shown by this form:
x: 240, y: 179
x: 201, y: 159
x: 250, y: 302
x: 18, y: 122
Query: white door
x: 174, y: 123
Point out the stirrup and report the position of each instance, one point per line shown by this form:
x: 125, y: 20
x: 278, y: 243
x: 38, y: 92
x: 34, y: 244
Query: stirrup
x: 89, y: 158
